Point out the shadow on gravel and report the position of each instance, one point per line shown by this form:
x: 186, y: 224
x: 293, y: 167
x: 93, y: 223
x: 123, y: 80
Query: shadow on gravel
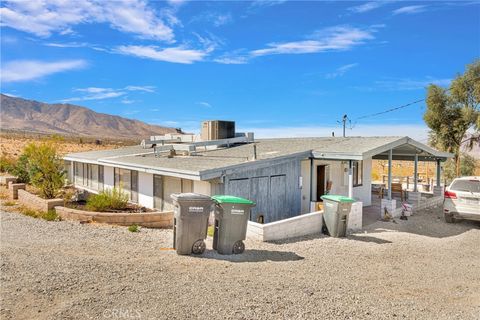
x: 252, y: 255
x: 367, y: 239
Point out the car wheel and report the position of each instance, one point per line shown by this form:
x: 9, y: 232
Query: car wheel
x: 449, y: 218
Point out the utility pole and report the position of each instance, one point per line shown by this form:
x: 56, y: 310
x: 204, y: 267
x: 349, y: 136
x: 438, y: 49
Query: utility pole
x: 344, y: 121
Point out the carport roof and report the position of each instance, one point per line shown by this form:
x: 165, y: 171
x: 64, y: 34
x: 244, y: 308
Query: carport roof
x: 212, y: 163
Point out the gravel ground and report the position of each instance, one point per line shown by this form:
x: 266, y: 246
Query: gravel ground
x: 416, y: 269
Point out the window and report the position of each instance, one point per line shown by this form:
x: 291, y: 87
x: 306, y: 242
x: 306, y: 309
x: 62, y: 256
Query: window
x: 357, y: 173
x: 127, y: 182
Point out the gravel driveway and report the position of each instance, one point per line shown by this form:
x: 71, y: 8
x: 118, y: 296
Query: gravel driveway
x: 416, y: 269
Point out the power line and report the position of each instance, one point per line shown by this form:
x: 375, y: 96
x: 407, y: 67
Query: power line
x: 399, y: 107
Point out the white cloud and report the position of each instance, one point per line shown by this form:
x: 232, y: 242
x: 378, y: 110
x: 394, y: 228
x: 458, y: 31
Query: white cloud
x: 417, y: 132
x: 24, y: 70
x: 96, y: 96
x: 127, y: 101
x: 410, y: 9
x: 330, y: 39
x: 204, y: 104
x: 175, y: 54
x: 368, y: 6
x: 43, y: 18
x: 97, y: 93
x: 410, y: 84
x: 140, y: 88
x: 266, y: 3
x: 232, y: 60
x: 67, y: 44
x: 216, y: 18
x: 341, y: 71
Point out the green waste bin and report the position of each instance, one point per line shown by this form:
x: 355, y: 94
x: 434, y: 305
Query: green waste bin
x: 231, y: 219
x: 336, y: 210
x: 190, y: 222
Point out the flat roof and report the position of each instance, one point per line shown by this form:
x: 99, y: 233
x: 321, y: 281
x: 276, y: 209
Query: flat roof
x: 210, y: 163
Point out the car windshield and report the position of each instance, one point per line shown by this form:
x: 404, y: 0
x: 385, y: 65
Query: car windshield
x: 466, y: 185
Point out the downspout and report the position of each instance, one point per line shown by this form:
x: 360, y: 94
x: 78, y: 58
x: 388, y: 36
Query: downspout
x: 311, y: 179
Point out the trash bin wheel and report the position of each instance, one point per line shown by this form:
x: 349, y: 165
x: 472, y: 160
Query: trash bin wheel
x: 238, y: 247
x: 198, y: 247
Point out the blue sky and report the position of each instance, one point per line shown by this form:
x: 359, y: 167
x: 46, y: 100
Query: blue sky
x: 279, y: 68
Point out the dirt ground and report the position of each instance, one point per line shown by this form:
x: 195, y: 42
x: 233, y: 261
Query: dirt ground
x: 422, y: 268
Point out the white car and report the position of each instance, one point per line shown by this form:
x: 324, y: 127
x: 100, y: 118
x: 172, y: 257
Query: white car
x: 462, y: 199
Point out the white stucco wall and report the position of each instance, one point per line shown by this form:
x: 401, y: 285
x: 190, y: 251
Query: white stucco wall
x: 337, y: 173
x: 145, y: 189
x: 108, y: 177
x: 202, y: 187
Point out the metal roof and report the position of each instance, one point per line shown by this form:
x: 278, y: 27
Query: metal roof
x: 210, y: 163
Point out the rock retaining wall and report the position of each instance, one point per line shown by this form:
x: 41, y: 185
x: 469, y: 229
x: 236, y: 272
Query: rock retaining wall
x: 35, y: 202
x: 147, y: 219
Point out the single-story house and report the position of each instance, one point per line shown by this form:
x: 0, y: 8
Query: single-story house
x: 283, y: 176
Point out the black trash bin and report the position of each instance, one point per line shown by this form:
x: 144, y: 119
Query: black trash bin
x: 190, y: 222
x: 231, y: 219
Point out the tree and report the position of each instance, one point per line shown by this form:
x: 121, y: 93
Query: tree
x: 451, y: 113
x: 467, y: 167
x: 45, y: 168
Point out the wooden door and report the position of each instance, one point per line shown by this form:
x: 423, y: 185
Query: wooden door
x: 320, y: 182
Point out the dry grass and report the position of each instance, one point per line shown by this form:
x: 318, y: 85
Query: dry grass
x: 12, y: 144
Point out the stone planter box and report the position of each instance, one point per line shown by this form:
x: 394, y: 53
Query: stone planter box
x: 35, y: 202
x: 13, y: 189
x: 147, y: 219
x: 4, y: 180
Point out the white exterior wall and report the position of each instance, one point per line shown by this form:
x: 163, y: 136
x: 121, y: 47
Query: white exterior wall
x: 202, y: 187
x: 145, y: 189
x: 108, y: 177
x: 337, y: 173
x: 363, y: 193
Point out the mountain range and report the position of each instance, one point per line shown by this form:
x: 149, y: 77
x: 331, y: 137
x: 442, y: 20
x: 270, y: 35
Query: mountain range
x: 18, y: 114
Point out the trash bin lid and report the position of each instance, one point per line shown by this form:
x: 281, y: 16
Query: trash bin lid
x: 231, y: 199
x: 189, y: 196
x: 337, y: 198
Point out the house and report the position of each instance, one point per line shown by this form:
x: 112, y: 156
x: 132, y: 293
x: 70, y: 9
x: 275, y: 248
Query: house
x: 283, y: 176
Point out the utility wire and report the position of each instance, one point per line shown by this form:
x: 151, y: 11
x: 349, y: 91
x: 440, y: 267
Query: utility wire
x: 399, y: 107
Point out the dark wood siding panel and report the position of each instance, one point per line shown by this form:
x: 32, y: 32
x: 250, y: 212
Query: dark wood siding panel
x: 278, y: 199
x: 259, y: 193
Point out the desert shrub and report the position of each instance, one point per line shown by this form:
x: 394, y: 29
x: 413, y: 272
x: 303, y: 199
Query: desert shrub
x: 8, y: 203
x: 50, y: 215
x: 6, y: 163
x: 45, y: 168
x: 110, y: 199
x: 20, y: 169
x: 133, y: 228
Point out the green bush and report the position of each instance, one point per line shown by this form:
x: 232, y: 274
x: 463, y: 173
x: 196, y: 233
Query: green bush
x: 50, y: 215
x: 110, y: 199
x: 45, y: 168
x: 20, y: 169
x: 133, y: 228
x: 6, y: 163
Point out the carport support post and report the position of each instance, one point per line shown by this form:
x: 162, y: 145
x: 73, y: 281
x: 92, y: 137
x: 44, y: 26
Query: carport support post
x: 438, y: 172
x: 350, y: 178
x: 415, y: 174
x: 390, y: 158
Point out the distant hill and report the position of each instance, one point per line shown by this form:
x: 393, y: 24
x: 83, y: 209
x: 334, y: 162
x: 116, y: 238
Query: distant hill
x: 68, y: 119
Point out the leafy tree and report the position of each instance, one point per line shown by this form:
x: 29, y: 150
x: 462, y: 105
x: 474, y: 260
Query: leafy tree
x: 467, y: 167
x: 45, y: 168
x: 451, y: 113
